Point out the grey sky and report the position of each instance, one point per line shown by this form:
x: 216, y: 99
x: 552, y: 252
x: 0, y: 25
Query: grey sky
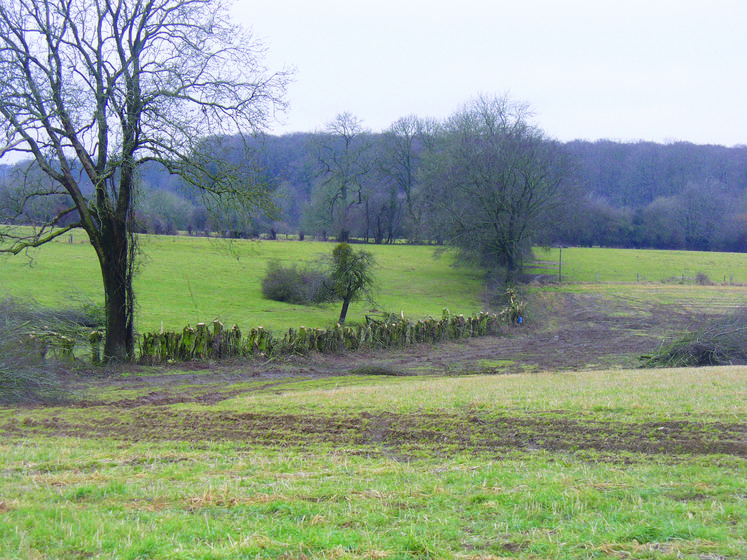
x: 660, y: 70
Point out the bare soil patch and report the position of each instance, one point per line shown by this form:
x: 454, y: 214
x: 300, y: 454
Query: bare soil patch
x: 398, y: 435
x: 565, y: 331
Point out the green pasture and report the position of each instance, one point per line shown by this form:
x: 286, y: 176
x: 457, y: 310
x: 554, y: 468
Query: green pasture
x: 395, y: 489
x: 668, y: 394
x: 186, y: 280
x: 585, y: 264
x: 634, y: 464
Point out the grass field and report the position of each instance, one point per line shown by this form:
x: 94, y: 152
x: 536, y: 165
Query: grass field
x: 606, y: 464
x: 189, y: 280
x: 192, y: 279
x: 305, y: 458
x: 583, y: 264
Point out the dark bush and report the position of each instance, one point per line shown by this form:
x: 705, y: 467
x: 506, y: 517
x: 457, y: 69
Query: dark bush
x: 282, y: 283
x: 721, y: 342
x: 701, y: 279
x: 290, y: 284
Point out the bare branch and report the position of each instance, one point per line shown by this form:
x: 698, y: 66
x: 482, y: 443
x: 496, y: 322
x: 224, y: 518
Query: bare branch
x: 19, y: 243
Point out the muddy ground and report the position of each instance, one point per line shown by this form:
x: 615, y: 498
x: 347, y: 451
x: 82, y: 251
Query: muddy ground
x: 564, y: 332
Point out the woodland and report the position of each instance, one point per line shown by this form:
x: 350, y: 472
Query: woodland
x: 635, y: 195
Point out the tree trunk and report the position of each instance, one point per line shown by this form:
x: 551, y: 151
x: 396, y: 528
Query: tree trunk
x: 119, y: 345
x: 512, y: 268
x: 344, y: 311
x: 116, y: 271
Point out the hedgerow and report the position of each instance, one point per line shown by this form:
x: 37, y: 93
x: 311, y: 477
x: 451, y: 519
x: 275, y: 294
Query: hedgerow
x: 216, y: 342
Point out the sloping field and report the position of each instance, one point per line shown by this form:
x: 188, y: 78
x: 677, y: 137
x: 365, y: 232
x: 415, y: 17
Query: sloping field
x: 185, y: 280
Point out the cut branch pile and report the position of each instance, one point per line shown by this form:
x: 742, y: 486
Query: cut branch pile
x: 723, y: 342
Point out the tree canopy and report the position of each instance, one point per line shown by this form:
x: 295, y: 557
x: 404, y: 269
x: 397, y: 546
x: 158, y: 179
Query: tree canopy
x: 493, y: 175
x: 351, y: 276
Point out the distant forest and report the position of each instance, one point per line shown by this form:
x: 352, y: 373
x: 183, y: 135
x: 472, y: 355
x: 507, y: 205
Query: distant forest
x: 648, y: 195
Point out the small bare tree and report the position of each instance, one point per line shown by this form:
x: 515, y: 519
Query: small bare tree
x: 93, y: 89
x: 344, y: 160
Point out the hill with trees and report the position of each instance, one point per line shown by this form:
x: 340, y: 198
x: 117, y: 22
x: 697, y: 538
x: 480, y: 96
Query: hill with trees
x: 642, y: 194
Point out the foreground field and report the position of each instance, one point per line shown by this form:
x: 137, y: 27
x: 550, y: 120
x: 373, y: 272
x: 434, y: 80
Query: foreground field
x: 605, y: 464
x: 559, y: 452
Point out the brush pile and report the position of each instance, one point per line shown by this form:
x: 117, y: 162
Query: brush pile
x: 721, y: 342
x: 35, y: 345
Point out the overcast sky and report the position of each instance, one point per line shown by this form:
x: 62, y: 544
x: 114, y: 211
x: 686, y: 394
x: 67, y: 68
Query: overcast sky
x: 660, y: 70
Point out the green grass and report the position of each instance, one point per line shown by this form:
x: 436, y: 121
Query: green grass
x: 172, y: 503
x: 645, y: 391
x: 714, y: 299
x: 384, y: 498
x: 606, y: 464
x: 190, y: 280
x: 582, y: 264
x: 185, y: 280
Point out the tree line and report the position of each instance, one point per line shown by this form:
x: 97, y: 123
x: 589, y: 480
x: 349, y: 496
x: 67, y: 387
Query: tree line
x: 346, y: 182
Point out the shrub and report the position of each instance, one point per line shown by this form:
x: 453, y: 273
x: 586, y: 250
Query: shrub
x: 290, y: 284
x: 282, y: 283
x: 721, y: 342
x: 701, y: 279
x: 26, y: 337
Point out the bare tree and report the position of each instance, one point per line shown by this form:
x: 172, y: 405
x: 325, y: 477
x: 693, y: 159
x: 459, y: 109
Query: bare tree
x: 493, y: 176
x: 93, y: 89
x: 399, y: 167
x: 344, y: 157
